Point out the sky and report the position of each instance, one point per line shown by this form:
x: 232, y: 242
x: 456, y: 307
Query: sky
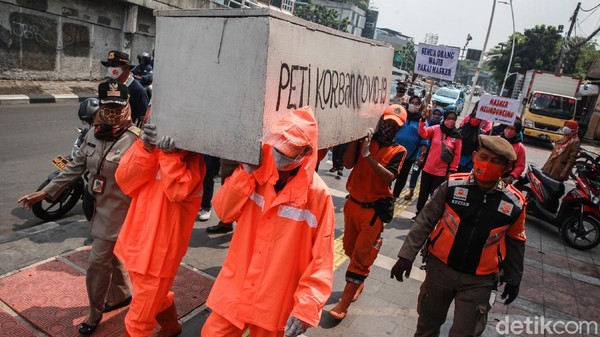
x: 452, y: 20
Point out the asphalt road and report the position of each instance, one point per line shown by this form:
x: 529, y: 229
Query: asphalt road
x: 31, y: 136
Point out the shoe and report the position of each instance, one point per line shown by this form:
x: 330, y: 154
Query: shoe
x: 340, y: 310
x: 88, y: 329
x: 333, y: 169
x: 204, y: 215
x: 123, y: 303
x: 340, y: 173
x: 219, y: 228
x: 408, y: 196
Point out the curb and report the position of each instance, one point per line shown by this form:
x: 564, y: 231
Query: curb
x: 34, y: 99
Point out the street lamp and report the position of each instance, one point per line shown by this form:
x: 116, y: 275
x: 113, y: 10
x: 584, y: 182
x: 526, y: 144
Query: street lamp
x: 478, y: 70
x: 512, y: 49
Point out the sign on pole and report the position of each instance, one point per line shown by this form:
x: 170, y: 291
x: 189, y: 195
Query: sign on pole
x: 436, y: 61
x: 498, y: 109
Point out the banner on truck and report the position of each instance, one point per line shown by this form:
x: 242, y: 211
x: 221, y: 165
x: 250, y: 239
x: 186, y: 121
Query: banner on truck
x: 436, y: 61
x: 498, y: 109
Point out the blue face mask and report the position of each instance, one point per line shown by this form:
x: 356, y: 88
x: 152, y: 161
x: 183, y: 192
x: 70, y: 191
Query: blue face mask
x: 434, y: 120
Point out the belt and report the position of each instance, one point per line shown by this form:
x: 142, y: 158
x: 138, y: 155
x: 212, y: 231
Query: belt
x: 362, y: 204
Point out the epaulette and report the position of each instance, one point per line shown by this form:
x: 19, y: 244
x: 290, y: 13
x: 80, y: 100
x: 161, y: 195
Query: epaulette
x: 456, y: 179
x: 135, y: 130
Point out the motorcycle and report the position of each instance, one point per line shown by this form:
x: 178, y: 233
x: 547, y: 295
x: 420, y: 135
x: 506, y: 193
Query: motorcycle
x: 51, y: 210
x: 578, y: 215
x: 584, y: 158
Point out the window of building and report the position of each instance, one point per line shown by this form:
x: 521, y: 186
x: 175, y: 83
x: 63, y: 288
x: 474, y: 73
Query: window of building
x: 288, y: 5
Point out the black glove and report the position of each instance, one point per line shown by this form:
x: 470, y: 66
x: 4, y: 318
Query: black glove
x: 511, y: 291
x: 402, y: 266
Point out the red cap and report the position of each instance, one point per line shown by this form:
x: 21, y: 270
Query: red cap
x: 573, y: 125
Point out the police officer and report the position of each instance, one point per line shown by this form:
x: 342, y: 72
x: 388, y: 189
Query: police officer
x: 474, y: 227
x: 143, y: 72
x: 119, y: 69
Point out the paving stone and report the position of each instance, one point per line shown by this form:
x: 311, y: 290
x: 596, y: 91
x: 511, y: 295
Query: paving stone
x: 558, y: 282
x: 560, y: 301
x: 584, y: 268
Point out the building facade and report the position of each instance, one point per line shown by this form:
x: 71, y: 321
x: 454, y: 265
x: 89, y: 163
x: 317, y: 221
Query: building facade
x: 355, y: 14
x: 395, y: 38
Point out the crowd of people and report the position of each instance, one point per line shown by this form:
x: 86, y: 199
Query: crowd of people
x: 278, y: 272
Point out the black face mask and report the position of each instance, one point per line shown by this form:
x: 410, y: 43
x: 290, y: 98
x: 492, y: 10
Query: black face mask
x: 386, y: 133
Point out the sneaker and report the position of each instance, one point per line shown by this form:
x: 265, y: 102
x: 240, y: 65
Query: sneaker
x: 204, y: 215
x: 219, y: 228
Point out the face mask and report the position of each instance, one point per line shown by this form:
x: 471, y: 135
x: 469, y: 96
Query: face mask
x: 114, y: 116
x: 567, y: 131
x: 413, y: 108
x: 114, y: 72
x: 450, y: 123
x: 486, y: 171
x: 285, y: 163
x: 435, y: 119
x: 509, y: 133
x: 474, y: 121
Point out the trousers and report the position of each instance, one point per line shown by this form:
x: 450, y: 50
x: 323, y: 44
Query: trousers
x: 218, y: 326
x: 470, y: 293
x: 151, y: 295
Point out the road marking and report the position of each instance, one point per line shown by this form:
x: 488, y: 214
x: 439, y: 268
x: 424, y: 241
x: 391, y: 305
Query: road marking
x: 338, y: 245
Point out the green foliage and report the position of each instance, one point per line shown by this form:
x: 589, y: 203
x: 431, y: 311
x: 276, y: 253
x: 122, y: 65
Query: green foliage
x: 322, y: 15
x: 408, y: 56
x: 539, y: 48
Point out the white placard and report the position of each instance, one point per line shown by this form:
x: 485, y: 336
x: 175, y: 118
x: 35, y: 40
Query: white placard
x: 436, y: 61
x: 498, y: 109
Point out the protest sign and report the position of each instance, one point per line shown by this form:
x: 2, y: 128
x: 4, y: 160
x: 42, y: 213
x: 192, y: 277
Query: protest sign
x: 498, y: 109
x: 436, y: 61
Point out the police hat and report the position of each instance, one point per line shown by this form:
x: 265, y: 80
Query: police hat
x: 499, y: 146
x: 113, y: 92
x: 116, y: 58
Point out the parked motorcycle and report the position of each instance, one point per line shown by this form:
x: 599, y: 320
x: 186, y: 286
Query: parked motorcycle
x: 578, y: 215
x: 51, y: 210
x: 584, y: 158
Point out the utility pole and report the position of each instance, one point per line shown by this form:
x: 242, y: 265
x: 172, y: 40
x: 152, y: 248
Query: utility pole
x: 559, y: 67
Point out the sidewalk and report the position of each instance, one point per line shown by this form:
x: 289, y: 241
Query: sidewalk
x: 26, y: 92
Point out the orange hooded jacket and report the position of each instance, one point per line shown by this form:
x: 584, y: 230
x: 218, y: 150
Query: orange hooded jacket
x: 280, y: 260
x: 166, y: 192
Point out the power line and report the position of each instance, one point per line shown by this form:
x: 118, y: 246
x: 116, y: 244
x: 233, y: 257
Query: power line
x: 591, y: 9
x: 589, y: 14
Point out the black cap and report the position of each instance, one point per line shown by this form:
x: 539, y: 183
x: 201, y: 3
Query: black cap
x: 116, y: 58
x: 113, y: 92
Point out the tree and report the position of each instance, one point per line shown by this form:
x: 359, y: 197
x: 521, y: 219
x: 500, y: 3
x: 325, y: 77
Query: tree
x: 408, y: 55
x: 322, y: 15
x: 539, y: 48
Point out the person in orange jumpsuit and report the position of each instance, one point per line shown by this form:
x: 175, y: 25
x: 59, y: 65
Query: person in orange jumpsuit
x: 278, y: 272
x: 165, y: 185
x: 376, y: 164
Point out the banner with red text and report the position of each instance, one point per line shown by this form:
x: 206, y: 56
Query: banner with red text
x: 498, y: 109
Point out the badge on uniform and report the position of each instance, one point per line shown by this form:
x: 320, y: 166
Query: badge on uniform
x: 505, y: 207
x: 460, y: 193
x: 98, y: 183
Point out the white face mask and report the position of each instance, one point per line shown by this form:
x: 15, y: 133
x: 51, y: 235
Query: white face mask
x: 114, y: 72
x: 413, y: 108
x: 284, y: 163
x: 567, y: 131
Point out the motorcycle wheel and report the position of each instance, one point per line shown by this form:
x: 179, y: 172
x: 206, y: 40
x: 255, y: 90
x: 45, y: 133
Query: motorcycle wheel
x: 51, y: 210
x: 578, y: 166
x: 582, y: 235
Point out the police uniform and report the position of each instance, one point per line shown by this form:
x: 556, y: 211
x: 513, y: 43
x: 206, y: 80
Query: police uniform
x: 471, y: 235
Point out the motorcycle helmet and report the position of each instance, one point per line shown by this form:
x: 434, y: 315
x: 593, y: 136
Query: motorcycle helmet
x: 88, y: 109
x: 144, y: 58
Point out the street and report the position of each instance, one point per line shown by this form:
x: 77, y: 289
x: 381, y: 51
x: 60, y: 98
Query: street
x: 34, y: 134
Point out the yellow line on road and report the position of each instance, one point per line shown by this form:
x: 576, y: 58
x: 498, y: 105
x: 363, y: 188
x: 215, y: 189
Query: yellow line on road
x: 338, y: 246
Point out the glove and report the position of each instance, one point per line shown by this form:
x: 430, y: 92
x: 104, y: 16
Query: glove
x: 511, y: 291
x: 166, y: 144
x: 402, y: 266
x: 366, y: 142
x: 149, y: 136
x: 294, y: 327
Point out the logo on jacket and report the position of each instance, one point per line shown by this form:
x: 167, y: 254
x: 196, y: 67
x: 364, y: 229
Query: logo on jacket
x: 460, y: 193
x: 505, y: 207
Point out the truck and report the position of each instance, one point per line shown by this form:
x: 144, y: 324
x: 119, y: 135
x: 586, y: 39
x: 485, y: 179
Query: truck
x: 547, y: 101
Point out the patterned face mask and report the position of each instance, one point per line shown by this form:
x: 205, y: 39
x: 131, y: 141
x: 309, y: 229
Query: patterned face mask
x: 386, y: 133
x: 114, y: 116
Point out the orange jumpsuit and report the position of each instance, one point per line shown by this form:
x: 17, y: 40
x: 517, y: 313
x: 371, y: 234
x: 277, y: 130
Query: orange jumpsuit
x: 166, y: 191
x: 280, y: 261
x: 362, y: 239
